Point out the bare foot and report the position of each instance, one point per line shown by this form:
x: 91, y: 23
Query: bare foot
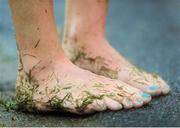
x: 54, y: 85
x: 102, y: 59
x: 47, y: 81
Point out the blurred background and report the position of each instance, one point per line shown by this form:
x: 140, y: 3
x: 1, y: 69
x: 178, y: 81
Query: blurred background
x: 147, y: 32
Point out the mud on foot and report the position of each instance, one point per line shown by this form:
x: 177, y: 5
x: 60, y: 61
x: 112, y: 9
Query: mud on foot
x: 106, y: 61
x: 64, y: 87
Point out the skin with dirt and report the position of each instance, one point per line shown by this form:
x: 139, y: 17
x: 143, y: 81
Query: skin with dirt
x: 27, y: 86
x: 98, y: 64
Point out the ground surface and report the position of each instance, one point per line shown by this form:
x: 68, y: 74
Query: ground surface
x: 147, y: 32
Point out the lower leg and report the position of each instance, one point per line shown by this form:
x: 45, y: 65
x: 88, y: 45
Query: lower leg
x: 86, y: 45
x: 84, y: 25
x: 47, y: 81
x: 36, y: 34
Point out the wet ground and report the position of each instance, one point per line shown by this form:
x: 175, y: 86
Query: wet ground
x: 147, y: 32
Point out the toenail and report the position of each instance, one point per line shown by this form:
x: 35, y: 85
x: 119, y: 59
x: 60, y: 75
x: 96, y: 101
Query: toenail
x: 154, y: 87
x: 129, y: 101
x: 139, y: 100
x: 145, y: 95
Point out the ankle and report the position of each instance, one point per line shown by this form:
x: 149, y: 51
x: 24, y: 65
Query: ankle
x: 83, y: 39
x: 32, y: 58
